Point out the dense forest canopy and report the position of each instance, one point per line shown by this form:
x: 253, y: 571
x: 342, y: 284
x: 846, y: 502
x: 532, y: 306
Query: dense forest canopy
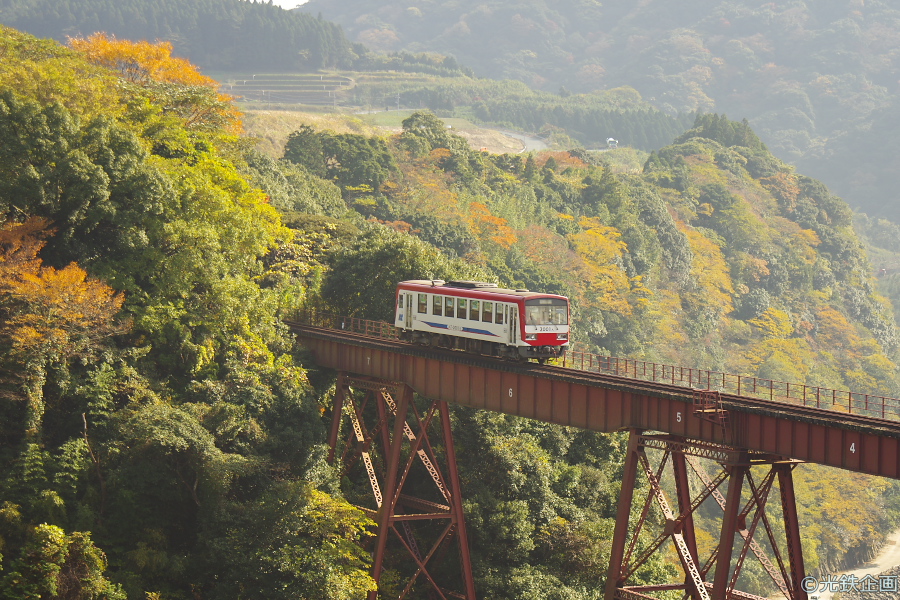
x: 161, y: 435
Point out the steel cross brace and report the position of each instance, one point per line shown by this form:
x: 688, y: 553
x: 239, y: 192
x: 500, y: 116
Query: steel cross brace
x: 401, y: 516
x: 777, y: 577
x: 740, y: 517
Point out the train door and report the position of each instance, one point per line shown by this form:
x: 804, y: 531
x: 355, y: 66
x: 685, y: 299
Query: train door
x: 513, y: 324
x: 408, y: 312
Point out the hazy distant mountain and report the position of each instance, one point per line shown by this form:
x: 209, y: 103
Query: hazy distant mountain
x: 811, y: 76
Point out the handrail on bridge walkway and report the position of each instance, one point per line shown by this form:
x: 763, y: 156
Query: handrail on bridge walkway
x: 741, y: 385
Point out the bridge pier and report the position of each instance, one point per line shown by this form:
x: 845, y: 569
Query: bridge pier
x: 387, y: 439
x: 743, y: 505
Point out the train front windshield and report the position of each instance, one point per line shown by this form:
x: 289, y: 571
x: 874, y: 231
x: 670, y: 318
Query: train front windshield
x: 546, y: 311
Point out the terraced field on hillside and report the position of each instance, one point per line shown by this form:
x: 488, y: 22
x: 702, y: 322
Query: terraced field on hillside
x: 318, y: 89
x: 288, y: 88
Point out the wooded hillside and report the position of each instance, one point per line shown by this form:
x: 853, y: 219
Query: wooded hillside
x: 818, y: 81
x: 162, y: 437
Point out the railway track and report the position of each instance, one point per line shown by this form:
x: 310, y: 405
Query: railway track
x: 733, y: 402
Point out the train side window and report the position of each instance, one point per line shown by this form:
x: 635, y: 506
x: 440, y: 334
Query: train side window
x: 498, y: 318
x: 448, y: 306
x: 399, y: 300
x: 460, y: 308
x: 475, y: 310
x: 437, y: 305
x: 487, y: 312
x: 423, y: 304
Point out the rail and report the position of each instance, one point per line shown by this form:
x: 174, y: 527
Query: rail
x: 739, y: 385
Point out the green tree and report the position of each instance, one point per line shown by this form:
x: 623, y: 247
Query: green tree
x: 423, y: 132
x: 55, y: 565
x: 364, y: 275
x: 304, y: 147
x: 294, y: 542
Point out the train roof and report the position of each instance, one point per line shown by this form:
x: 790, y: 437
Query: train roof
x: 474, y: 286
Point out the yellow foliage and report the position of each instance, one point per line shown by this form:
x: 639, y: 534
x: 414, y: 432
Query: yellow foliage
x: 830, y: 520
x: 19, y: 245
x: 710, y: 272
x: 607, y: 240
x: 773, y: 323
x: 439, y: 155
x: 601, y: 248
x: 810, y: 237
x: 640, y: 294
x: 834, y: 330
x: 665, y: 313
x: 49, y: 311
x: 790, y: 235
x: 43, y: 71
x: 59, y: 306
x: 705, y: 170
x: 795, y: 354
x: 425, y: 190
x: 592, y: 266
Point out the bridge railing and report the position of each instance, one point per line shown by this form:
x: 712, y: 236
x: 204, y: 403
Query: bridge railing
x: 378, y: 329
x: 740, y: 385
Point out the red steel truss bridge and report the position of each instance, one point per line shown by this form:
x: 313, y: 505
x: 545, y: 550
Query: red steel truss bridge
x: 696, y: 437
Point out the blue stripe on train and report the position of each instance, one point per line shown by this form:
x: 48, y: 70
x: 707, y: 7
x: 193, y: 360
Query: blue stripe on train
x: 481, y: 331
x: 465, y: 329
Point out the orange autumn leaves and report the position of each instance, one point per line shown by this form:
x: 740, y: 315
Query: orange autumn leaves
x: 48, y: 313
x: 593, y: 257
x: 140, y: 62
x: 145, y: 63
x: 487, y: 226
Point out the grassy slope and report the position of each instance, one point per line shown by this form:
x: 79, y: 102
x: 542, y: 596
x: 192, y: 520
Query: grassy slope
x: 273, y: 127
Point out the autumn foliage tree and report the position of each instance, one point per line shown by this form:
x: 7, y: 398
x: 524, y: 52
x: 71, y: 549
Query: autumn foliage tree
x: 180, y: 85
x: 47, y: 315
x: 140, y: 62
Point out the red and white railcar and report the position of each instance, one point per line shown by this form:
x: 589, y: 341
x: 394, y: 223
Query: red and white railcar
x: 483, y: 318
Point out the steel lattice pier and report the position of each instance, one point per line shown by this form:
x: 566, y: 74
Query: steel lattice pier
x: 387, y: 434
x: 743, y: 514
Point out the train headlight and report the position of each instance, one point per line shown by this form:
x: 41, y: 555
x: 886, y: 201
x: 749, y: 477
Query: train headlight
x: 531, y: 337
x: 562, y: 336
